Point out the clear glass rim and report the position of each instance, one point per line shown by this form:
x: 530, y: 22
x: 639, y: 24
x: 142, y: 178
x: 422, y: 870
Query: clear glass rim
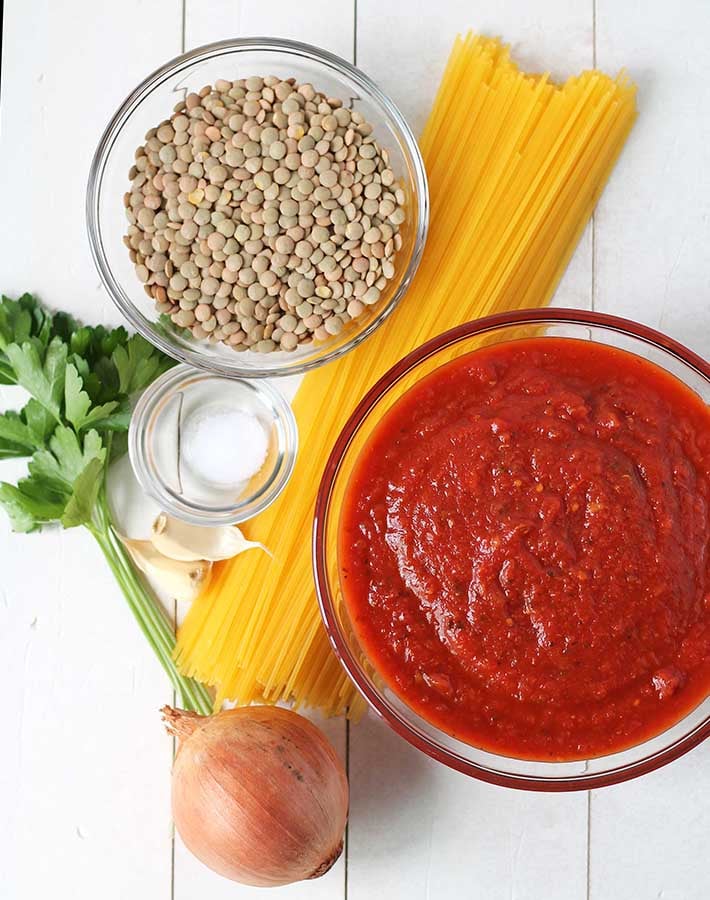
x: 124, y: 112
x: 171, y: 503
x: 577, y: 782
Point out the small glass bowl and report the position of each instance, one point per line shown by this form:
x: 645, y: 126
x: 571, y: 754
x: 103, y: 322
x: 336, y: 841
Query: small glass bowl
x: 156, y: 445
x: 153, y: 101
x: 530, y: 775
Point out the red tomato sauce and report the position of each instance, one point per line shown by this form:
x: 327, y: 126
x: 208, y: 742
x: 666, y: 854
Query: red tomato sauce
x: 525, y: 549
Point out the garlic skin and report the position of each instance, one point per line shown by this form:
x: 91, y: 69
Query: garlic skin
x: 182, y: 579
x: 181, y: 541
x: 258, y: 794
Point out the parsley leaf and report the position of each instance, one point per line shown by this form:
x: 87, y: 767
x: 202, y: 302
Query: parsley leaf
x: 66, y: 457
x: 117, y: 420
x: 44, y: 379
x: 70, y: 471
x: 138, y: 363
x: 119, y: 445
x: 77, y: 403
x: 17, y: 322
x: 25, y: 319
x: 80, y: 506
x: 16, y: 438
x: 29, y: 508
x: 39, y: 421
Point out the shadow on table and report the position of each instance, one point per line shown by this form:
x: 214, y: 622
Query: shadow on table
x: 391, y: 783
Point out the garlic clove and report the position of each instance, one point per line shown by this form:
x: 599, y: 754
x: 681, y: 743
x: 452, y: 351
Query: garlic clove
x: 181, y: 541
x: 182, y: 579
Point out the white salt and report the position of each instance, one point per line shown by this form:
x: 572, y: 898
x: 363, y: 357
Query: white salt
x: 224, y: 446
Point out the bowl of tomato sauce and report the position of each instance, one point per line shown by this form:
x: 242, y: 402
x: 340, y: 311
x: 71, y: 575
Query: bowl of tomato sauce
x: 512, y: 549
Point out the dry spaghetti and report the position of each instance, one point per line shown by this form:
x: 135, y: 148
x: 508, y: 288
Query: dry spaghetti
x: 515, y: 165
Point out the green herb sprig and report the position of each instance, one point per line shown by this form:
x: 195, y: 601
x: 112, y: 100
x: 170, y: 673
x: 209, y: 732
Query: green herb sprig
x: 80, y: 380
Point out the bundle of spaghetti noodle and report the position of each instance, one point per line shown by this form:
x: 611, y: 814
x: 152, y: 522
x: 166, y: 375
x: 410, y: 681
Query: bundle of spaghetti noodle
x: 515, y: 166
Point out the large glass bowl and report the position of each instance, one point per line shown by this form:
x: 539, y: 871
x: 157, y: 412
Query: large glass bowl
x: 153, y: 100
x: 541, y: 776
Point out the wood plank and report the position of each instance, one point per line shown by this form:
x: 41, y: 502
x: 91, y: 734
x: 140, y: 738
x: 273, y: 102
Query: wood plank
x: 84, y: 762
x: 330, y: 26
x: 420, y: 830
x: 56, y: 101
x: 649, y: 837
x: 653, y: 222
x: 319, y: 22
x: 417, y: 829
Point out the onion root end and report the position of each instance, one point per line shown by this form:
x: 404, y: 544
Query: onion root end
x: 328, y: 863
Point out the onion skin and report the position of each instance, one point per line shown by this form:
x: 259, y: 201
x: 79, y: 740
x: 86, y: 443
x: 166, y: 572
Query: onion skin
x: 258, y: 794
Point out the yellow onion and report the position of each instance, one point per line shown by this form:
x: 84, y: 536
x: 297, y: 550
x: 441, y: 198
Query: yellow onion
x: 258, y: 794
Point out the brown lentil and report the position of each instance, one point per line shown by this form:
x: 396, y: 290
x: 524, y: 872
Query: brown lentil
x: 263, y: 214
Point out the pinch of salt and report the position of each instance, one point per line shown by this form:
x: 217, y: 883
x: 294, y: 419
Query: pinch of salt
x: 225, y: 446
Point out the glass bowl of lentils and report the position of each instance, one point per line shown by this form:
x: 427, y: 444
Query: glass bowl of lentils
x: 257, y: 207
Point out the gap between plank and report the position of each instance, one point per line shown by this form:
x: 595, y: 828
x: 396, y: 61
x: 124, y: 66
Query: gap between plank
x: 593, y: 304
x: 594, y: 213
x: 347, y: 824
x: 347, y: 721
x: 183, y: 17
x: 2, y: 35
x: 589, y: 844
x: 174, y: 740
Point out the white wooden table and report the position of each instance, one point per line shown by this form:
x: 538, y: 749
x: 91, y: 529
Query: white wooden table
x: 84, y: 762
